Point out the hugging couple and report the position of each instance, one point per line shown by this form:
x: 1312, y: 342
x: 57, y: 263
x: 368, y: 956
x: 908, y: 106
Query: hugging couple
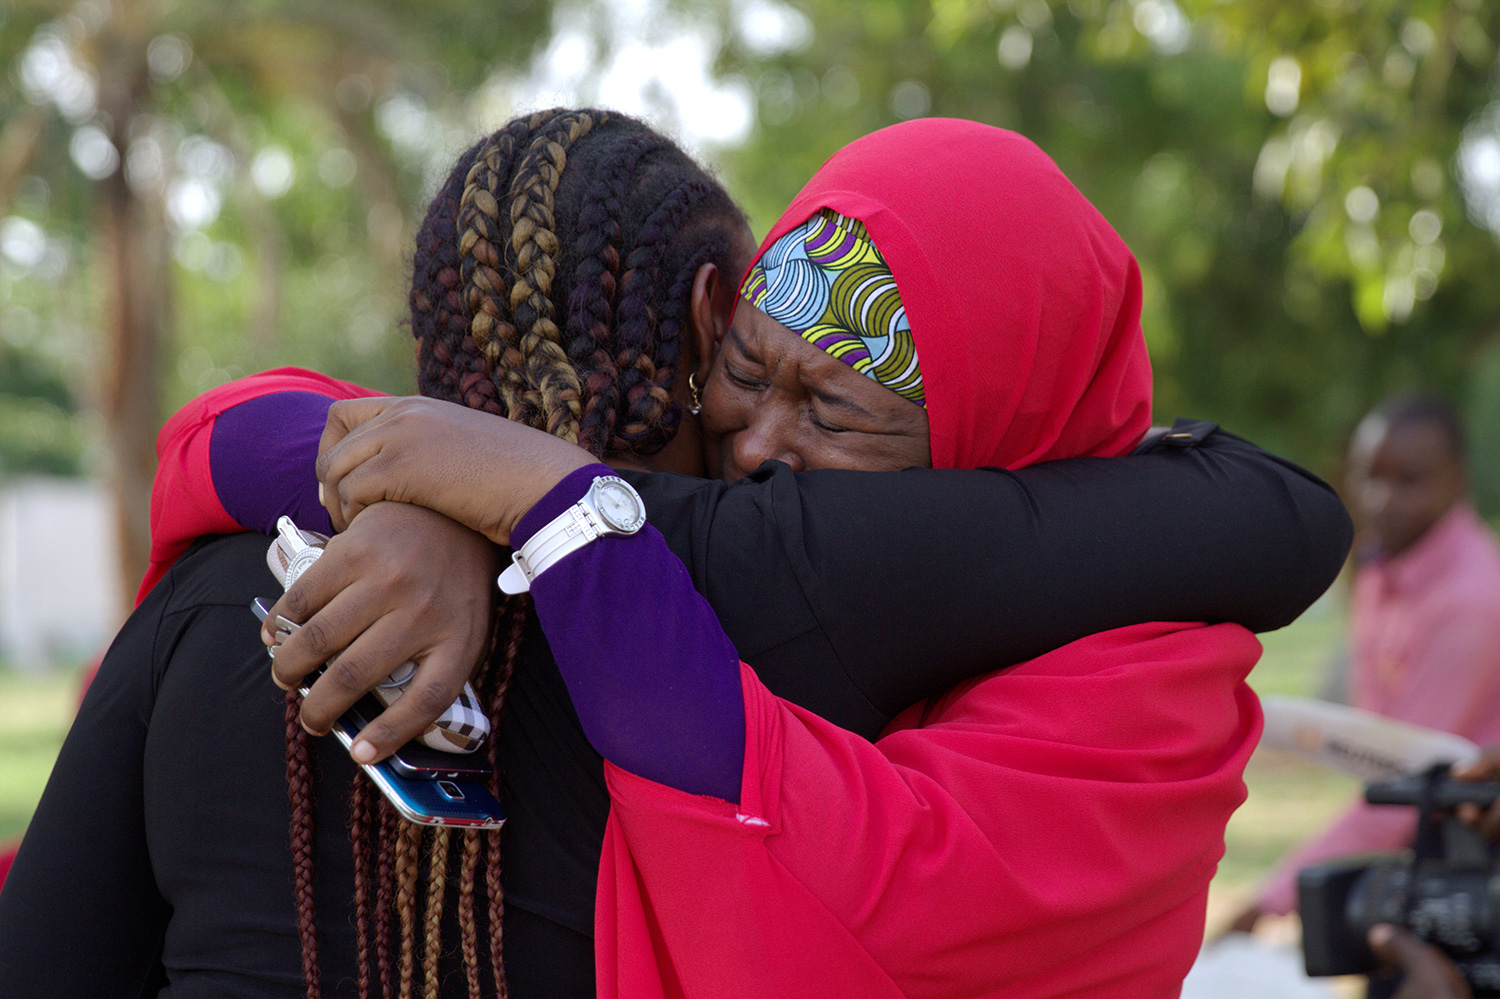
x: 902, y: 657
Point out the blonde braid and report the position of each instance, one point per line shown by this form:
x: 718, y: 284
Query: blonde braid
x: 554, y: 391
x: 479, y: 247
x: 437, y: 885
x: 482, y: 266
x: 496, y: 893
x: 408, y: 844
x: 469, y: 932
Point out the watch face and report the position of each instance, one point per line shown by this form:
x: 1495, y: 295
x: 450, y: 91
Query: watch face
x: 619, y: 505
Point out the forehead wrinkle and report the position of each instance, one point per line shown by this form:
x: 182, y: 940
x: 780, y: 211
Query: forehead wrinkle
x: 765, y: 350
x: 734, y: 337
x: 840, y: 401
x: 802, y: 361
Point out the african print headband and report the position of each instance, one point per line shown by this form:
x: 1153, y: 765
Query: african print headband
x: 826, y: 282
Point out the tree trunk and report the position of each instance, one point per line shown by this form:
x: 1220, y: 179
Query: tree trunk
x: 134, y: 258
x: 132, y: 388
x: 19, y: 138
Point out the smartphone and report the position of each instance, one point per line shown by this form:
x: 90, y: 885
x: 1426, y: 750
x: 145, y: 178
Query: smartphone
x: 462, y: 801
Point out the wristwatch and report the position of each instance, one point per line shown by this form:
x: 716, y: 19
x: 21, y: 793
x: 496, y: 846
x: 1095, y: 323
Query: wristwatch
x: 611, y: 508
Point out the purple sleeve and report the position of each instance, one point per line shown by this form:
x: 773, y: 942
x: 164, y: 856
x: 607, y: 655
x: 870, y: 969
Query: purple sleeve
x: 262, y: 454
x: 654, y: 679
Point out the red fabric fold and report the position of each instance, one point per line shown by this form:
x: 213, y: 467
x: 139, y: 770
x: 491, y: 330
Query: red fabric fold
x: 184, y: 503
x: 1051, y: 831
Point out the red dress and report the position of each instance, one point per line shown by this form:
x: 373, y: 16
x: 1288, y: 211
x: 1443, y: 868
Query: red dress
x: 1050, y: 831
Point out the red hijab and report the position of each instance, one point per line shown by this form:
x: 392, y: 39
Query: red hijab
x: 1024, y: 304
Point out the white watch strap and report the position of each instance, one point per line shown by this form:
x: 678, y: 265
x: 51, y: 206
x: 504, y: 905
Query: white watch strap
x: 563, y: 535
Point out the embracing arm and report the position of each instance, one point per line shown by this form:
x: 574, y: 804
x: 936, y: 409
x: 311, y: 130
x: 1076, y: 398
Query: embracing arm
x: 653, y: 677
x: 240, y: 456
x: 1204, y: 528
x: 237, y: 457
x: 858, y: 593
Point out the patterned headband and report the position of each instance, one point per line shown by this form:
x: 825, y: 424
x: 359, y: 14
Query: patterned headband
x: 826, y: 282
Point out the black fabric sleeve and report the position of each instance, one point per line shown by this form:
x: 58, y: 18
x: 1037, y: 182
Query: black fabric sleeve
x: 159, y: 851
x: 856, y: 594
x: 80, y: 914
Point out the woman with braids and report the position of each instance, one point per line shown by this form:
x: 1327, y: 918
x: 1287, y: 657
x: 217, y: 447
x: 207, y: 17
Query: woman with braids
x: 570, y: 269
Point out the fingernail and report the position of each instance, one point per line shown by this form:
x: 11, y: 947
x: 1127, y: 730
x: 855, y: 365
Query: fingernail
x: 1381, y: 934
x: 362, y: 752
x: 277, y: 680
x: 266, y: 637
x: 320, y: 494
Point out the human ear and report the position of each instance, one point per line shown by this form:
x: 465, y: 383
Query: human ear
x: 712, y: 307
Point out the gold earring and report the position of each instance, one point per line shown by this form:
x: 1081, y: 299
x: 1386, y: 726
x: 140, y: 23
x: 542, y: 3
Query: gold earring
x: 696, y: 406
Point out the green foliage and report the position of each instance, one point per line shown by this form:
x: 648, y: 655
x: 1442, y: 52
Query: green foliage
x: 1292, y: 277
x: 1290, y: 176
x: 41, y: 430
x: 1484, y: 430
x: 276, y: 152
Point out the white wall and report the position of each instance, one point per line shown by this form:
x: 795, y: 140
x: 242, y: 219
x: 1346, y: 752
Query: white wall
x: 59, y: 597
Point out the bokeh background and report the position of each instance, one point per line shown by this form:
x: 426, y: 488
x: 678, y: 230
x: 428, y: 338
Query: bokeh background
x: 195, y: 190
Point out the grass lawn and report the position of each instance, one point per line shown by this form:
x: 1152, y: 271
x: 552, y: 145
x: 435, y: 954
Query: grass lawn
x: 1289, y: 799
x: 35, y: 711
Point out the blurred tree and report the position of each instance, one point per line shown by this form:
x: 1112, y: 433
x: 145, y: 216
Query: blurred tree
x: 1313, y: 190
x: 125, y: 123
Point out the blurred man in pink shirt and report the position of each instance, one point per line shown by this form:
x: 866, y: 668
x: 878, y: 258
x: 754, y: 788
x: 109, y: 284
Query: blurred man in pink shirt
x: 1425, y: 614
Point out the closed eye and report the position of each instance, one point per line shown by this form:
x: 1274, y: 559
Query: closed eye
x: 826, y: 427
x: 743, y: 381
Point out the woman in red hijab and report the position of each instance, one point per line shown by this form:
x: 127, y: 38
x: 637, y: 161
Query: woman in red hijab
x: 1049, y: 830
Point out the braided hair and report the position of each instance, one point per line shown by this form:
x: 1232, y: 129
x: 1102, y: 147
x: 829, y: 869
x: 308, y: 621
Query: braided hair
x: 551, y: 285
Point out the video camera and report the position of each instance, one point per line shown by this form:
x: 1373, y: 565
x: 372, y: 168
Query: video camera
x: 1445, y: 891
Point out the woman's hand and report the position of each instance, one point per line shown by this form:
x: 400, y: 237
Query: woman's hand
x: 478, y: 469
x: 403, y: 582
